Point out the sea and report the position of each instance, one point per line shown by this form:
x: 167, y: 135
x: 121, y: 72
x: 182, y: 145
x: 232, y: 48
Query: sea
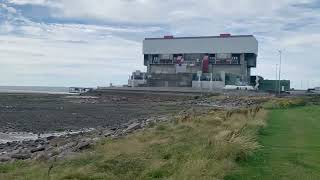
x: 34, y: 89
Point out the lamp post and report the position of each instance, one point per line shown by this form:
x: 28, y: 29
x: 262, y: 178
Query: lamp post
x: 280, y: 53
x: 276, y: 87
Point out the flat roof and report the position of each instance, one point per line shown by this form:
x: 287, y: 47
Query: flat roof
x: 199, y: 37
x: 201, y: 44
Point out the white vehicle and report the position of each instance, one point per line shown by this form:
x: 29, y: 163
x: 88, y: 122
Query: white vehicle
x: 233, y: 87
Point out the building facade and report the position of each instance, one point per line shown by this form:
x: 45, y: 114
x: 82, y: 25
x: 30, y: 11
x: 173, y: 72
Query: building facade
x: 181, y: 61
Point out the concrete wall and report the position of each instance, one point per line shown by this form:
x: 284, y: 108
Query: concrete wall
x: 171, y: 69
x: 233, y: 69
x: 136, y: 83
x: 165, y: 69
x: 208, y: 84
x: 170, y: 80
x: 194, y: 69
x: 181, y: 68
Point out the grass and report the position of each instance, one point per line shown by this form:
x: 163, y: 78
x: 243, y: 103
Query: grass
x: 195, y: 145
x: 284, y: 103
x: 291, y: 147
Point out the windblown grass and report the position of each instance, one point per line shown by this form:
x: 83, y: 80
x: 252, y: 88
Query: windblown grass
x: 195, y: 145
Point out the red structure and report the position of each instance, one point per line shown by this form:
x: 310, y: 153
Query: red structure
x: 168, y: 37
x: 205, y: 64
x: 225, y: 35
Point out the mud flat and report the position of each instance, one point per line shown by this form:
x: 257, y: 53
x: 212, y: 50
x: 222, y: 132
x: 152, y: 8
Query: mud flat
x: 40, y: 113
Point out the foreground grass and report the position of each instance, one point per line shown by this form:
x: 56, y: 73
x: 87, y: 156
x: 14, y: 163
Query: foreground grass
x: 291, y: 147
x: 193, y: 146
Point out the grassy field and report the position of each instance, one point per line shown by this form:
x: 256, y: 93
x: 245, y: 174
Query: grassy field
x: 291, y: 148
x: 195, y: 145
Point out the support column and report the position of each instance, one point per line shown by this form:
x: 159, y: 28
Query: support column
x: 244, y: 73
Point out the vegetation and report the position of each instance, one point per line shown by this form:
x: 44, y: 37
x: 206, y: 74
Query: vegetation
x: 195, y: 145
x: 290, y: 147
x: 284, y: 103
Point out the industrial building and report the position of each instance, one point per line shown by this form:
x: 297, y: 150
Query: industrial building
x: 205, y: 62
x: 208, y: 61
x: 199, y: 62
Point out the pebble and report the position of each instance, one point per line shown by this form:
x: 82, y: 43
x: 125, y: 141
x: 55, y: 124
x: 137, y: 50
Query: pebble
x: 21, y: 156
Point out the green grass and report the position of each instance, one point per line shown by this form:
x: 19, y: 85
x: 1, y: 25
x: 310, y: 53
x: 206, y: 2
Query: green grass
x: 194, y: 146
x: 291, y: 148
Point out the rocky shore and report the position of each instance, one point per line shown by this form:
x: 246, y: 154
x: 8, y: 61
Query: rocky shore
x: 61, y: 126
x: 60, y: 147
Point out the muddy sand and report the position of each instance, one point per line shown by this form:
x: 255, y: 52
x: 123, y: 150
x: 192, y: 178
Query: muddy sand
x: 41, y: 113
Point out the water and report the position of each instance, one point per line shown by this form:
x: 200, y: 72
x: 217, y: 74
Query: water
x: 34, y: 89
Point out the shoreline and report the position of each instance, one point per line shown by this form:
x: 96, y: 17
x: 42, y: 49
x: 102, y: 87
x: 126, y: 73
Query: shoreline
x: 34, y: 92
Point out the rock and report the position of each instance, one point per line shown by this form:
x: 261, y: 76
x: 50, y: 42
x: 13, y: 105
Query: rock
x: 113, y: 128
x: 150, y: 121
x: 40, y: 141
x: 163, y: 119
x: 143, y: 124
x: 5, y: 158
x: 42, y: 156
x: 23, y: 156
x: 107, y: 133
x: 49, y: 138
x: 82, y: 146
x: 85, y: 144
x: 40, y: 148
x: 96, y: 139
x: 67, y: 147
x: 132, y: 127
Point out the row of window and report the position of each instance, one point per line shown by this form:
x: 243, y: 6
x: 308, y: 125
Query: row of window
x: 212, y: 61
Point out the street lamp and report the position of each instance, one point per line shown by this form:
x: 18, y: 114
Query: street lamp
x: 276, y: 87
x: 280, y: 53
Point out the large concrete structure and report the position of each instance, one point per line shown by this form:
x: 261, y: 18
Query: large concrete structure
x: 185, y: 61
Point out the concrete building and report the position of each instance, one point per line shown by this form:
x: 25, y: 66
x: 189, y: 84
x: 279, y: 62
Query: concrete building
x: 137, y: 79
x: 196, y: 61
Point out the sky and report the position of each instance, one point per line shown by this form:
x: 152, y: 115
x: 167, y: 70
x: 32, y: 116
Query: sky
x: 97, y: 42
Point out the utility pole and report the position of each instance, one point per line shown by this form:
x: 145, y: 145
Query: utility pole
x: 276, y: 87
x: 280, y: 53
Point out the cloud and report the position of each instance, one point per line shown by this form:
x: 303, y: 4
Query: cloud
x: 49, y: 3
x: 157, y: 11
x: 103, y: 37
x: 30, y: 57
x: 32, y: 51
x: 9, y: 9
